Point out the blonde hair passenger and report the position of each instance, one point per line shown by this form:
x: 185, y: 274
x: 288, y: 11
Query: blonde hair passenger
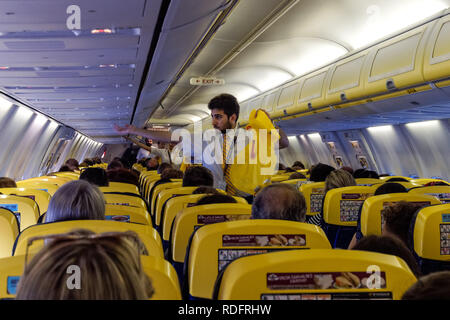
x: 109, y: 267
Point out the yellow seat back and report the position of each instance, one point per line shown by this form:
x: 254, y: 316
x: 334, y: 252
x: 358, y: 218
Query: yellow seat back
x: 317, y: 274
x: 124, y: 200
x: 371, y: 217
x: 70, y: 175
x: 147, y: 234
x: 368, y: 181
x: 214, y: 246
x: 41, y: 197
x: 127, y: 214
x: 191, y: 218
x: 163, y: 277
x: 440, y: 192
x: 25, y: 209
x: 425, y: 181
x: 431, y: 233
x: 52, y: 179
x: 167, y: 194
x: 296, y: 182
x: 9, y: 229
x: 121, y: 187
x: 313, y: 193
x: 341, y: 205
x: 279, y: 178
x: 147, y: 183
x: 161, y: 187
x: 161, y: 273
x: 49, y: 187
x: 390, y: 177
x: 176, y: 204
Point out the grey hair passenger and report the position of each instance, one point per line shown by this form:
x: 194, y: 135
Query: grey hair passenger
x: 76, y: 200
x: 279, y: 201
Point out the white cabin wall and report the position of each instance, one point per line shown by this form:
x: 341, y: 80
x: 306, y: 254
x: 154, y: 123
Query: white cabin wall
x: 408, y: 150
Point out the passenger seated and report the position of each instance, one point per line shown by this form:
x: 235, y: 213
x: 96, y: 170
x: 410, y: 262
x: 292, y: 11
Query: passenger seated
x: 198, y: 176
x: 435, y: 286
x: 96, y: 176
x: 65, y: 168
x: 6, y: 182
x: 348, y: 169
x: 109, y: 267
x: 167, y: 175
x: 336, y: 179
x: 123, y: 175
x: 389, y: 245
x: 215, y: 198
x: 279, y: 201
x: 319, y: 172
x: 296, y: 175
x: 72, y: 164
x: 115, y: 164
x: 385, y: 188
x: 397, y: 218
x: 152, y: 164
x: 163, y: 166
x: 299, y: 164
x: 76, y: 200
x: 397, y: 179
x: 205, y: 189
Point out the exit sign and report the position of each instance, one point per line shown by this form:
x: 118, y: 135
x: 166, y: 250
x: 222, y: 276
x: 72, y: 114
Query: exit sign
x: 200, y: 81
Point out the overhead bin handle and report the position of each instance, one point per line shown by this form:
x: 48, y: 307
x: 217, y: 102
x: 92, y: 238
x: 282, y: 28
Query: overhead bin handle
x: 390, y: 85
x: 343, y: 97
x: 310, y: 106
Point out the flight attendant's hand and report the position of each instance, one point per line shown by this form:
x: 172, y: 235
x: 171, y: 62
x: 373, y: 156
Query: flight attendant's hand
x: 127, y: 129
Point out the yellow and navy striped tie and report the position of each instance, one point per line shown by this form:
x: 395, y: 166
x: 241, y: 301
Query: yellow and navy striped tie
x: 230, y: 188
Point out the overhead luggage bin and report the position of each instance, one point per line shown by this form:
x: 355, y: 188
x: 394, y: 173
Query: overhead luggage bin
x: 345, y: 81
x: 437, y: 52
x: 396, y: 63
x: 288, y: 97
x: 312, y: 93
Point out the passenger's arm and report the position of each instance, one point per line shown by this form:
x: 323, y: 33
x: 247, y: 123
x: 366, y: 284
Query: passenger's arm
x: 163, y: 136
x: 138, y: 143
x: 284, y: 141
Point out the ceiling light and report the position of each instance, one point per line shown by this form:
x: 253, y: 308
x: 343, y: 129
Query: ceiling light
x: 380, y: 128
x: 423, y: 124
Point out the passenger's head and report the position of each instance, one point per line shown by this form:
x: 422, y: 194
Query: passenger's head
x: 435, y: 286
x: 390, y: 187
x: 298, y: 164
x: 348, y: 169
x: 6, y: 182
x: 320, y: 172
x: 172, y: 174
x: 95, y: 176
x: 163, y: 166
x: 76, y: 200
x: 215, y: 198
x: 115, y: 164
x: 123, y: 175
x: 224, y: 112
x: 297, y: 175
x: 397, y: 179
x: 65, y: 168
x: 338, y: 179
x: 389, y: 245
x: 205, y: 189
x: 89, y: 162
x: 198, y: 176
x: 397, y: 218
x: 359, y: 173
x: 109, y: 265
x: 72, y: 163
x: 279, y: 201
x: 152, y: 164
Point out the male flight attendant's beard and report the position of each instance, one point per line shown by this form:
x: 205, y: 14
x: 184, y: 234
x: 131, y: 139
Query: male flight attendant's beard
x: 227, y: 127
